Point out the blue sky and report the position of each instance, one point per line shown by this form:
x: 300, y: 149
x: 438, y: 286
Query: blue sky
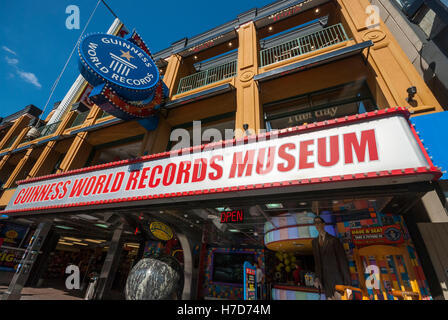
x: 35, y: 43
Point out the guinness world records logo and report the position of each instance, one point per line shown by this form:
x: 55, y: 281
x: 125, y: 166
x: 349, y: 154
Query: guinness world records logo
x: 122, y: 65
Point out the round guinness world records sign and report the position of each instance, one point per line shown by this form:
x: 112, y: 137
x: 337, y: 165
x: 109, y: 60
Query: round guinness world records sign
x: 119, y: 63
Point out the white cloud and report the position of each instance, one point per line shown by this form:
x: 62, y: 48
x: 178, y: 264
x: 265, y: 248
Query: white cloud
x: 29, y: 77
x: 12, y: 61
x: 8, y: 50
x: 24, y: 75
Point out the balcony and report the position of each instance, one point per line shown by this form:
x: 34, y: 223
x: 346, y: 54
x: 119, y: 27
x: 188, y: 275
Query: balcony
x: 80, y: 118
x: 324, y: 38
x: 206, y: 77
x: 48, y: 129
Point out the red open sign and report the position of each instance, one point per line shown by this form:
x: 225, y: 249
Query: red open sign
x: 232, y: 216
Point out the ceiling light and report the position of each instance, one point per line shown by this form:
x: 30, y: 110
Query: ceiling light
x: 80, y: 244
x: 186, y: 215
x: 197, y: 221
x: 132, y: 245
x: 72, y: 239
x: 65, y: 243
x: 317, y: 10
x: 211, y: 216
x: 195, y: 57
x: 255, y: 233
x: 274, y: 205
x: 102, y: 225
x: 234, y: 230
x: 64, y: 227
x: 302, y: 203
x: 230, y: 44
x: 335, y: 201
x: 270, y: 28
x: 94, y: 241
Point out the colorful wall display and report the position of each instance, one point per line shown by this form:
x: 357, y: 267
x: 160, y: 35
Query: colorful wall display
x: 12, y: 233
x: 348, y: 228
x: 10, y: 259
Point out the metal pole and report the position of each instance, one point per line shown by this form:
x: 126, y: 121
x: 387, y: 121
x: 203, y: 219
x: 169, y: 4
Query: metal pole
x: 26, y: 264
x: 110, y: 265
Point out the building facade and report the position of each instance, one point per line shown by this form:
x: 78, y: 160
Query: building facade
x: 294, y: 69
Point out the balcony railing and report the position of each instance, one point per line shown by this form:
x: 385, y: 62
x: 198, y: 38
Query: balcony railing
x: 321, y: 39
x: 80, y: 118
x: 203, y: 78
x: 48, y: 129
x: 103, y: 114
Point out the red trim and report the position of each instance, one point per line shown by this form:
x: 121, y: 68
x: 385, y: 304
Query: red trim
x: 247, y: 140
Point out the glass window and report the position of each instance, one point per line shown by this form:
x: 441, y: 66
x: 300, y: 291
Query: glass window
x: 326, y: 104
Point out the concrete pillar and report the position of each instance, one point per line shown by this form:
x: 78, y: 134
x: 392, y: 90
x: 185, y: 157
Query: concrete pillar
x: 26, y: 264
x: 434, y: 208
x: 110, y: 265
x: 248, y: 109
x: 394, y: 73
x: 435, y: 237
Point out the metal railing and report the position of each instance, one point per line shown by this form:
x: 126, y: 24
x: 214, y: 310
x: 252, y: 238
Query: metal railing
x: 80, y: 118
x: 321, y: 39
x: 104, y: 114
x: 203, y: 78
x: 48, y: 129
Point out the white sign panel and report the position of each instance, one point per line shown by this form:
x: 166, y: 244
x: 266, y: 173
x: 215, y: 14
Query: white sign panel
x: 363, y: 146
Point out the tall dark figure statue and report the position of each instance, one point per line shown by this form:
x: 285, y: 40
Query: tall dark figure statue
x: 330, y: 261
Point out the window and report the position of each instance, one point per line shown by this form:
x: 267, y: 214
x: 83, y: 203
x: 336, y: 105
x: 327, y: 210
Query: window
x: 318, y: 106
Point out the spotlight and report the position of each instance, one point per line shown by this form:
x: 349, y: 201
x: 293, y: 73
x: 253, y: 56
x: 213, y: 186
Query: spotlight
x: 411, y: 94
x: 270, y: 28
x: 317, y: 10
x: 230, y: 44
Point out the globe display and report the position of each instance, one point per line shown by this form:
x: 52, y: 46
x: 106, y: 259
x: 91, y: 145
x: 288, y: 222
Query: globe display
x: 156, y: 277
